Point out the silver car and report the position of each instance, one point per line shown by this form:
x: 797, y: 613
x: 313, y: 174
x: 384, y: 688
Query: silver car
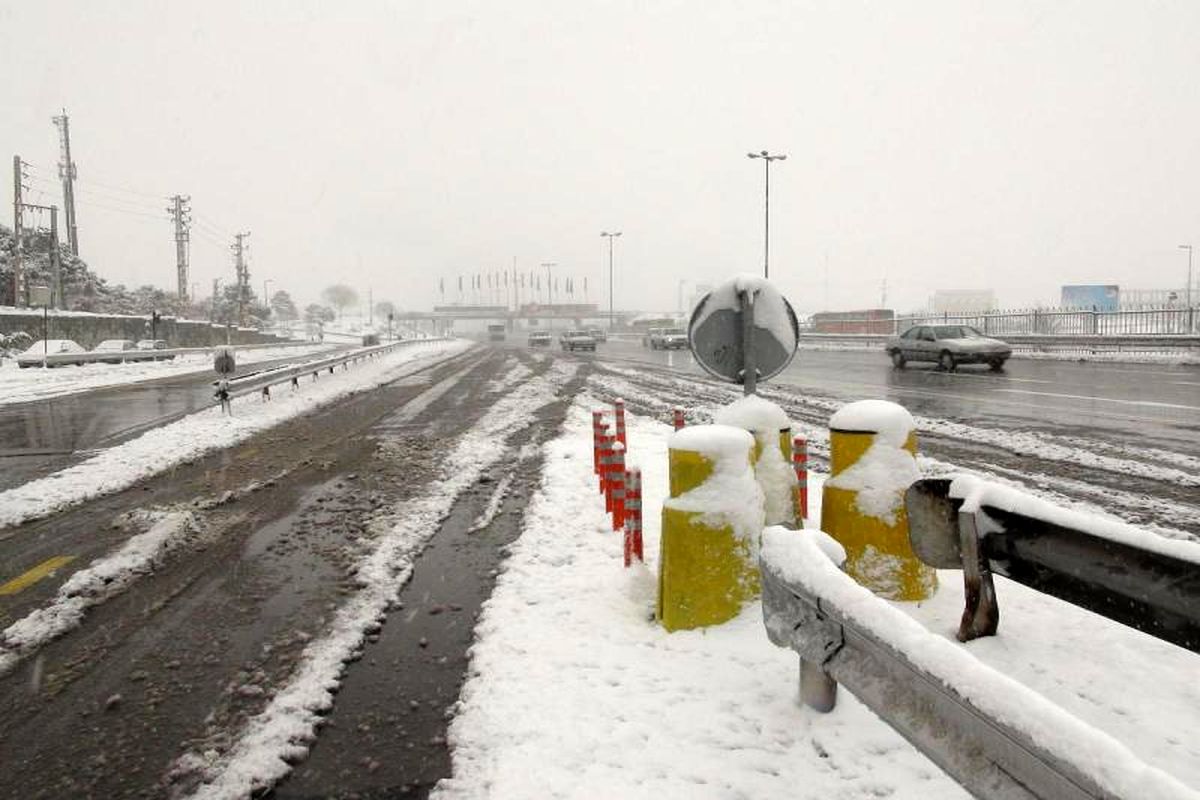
x: 947, y: 346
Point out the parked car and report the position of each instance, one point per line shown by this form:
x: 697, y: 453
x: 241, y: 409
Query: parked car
x: 599, y: 334
x: 668, y: 339
x: 116, y: 347
x: 947, y: 346
x: 44, y: 350
x: 539, y: 339
x: 577, y: 340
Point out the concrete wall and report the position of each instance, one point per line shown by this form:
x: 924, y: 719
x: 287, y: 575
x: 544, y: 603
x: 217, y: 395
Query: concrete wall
x: 89, y: 330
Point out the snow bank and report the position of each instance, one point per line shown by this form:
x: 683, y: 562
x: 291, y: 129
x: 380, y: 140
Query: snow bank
x: 798, y: 558
x: 975, y: 492
x: 574, y: 692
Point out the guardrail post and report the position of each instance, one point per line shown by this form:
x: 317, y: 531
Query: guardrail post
x: 872, y: 453
x: 266, y: 394
x: 707, y: 558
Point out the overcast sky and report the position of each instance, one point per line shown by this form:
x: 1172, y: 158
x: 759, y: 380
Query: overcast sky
x: 940, y: 145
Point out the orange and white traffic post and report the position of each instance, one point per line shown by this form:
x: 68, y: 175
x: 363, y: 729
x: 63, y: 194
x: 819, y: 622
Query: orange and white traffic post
x: 619, y: 414
x: 597, y: 432
x: 800, y: 463
x: 677, y: 417
x: 633, y: 516
x: 616, y: 486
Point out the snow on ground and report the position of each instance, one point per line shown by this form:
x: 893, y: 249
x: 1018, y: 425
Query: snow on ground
x: 573, y: 691
x: 23, y: 385
x: 196, y: 434
x: 284, y: 730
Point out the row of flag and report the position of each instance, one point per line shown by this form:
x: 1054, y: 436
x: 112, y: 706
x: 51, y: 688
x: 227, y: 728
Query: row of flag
x: 500, y: 280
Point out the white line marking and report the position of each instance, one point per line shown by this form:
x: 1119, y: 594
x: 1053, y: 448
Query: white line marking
x: 1103, y: 399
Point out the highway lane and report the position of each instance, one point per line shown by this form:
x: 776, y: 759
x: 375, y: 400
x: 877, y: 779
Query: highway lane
x: 1143, y: 403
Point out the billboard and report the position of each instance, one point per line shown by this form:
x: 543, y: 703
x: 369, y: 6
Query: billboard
x: 1095, y: 297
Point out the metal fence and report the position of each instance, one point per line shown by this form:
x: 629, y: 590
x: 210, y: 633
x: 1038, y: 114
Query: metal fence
x: 1163, y: 321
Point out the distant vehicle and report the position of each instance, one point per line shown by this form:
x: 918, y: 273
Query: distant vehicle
x: 152, y: 344
x: 497, y: 333
x: 599, y: 334
x: 668, y: 339
x: 948, y: 346
x: 650, y: 334
x: 539, y: 339
x: 40, y: 352
x: 370, y: 339
x: 115, y: 346
x: 577, y: 340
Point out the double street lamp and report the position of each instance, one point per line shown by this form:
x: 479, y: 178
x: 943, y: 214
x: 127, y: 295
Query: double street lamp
x: 610, y: 237
x: 767, y: 159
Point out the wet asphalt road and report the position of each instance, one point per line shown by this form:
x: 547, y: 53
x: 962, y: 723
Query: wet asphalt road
x: 1137, y: 402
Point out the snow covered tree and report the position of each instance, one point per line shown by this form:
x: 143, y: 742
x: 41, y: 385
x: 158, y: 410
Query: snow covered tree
x: 283, y: 307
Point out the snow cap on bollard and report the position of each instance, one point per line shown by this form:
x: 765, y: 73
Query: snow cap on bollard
x: 872, y: 453
x: 772, y: 431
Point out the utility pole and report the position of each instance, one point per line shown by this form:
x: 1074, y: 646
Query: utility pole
x: 67, y: 172
x: 370, y: 306
x: 56, y: 292
x: 18, y: 276
x: 243, y: 274
x: 883, y: 293
x: 212, y: 313
x: 181, y: 214
x: 549, y: 265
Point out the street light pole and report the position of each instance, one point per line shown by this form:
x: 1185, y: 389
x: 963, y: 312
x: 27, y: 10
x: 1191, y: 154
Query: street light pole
x: 1188, y: 247
x: 1187, y: 303
x: 610, y: 237
x: 767, y: 159
x: 266, y: 297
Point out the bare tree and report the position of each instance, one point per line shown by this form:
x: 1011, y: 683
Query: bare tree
x: 340, y: 296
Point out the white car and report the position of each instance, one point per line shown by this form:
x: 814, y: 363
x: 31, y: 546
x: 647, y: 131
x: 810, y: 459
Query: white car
x: 44, y: 352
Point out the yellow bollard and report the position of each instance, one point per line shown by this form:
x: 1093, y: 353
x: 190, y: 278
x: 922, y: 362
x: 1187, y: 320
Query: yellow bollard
x: 708, y: 553
x: 771, y: 428
x: 873, y: 446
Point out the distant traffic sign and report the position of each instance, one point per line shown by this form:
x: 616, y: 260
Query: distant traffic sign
x: 718, y: 332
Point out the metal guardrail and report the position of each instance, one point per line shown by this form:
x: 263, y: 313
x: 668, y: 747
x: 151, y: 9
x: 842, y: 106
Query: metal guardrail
x: 1154, y: 321
x: 133, y: 356
x: 995, y: 737
x: 261, y: 382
